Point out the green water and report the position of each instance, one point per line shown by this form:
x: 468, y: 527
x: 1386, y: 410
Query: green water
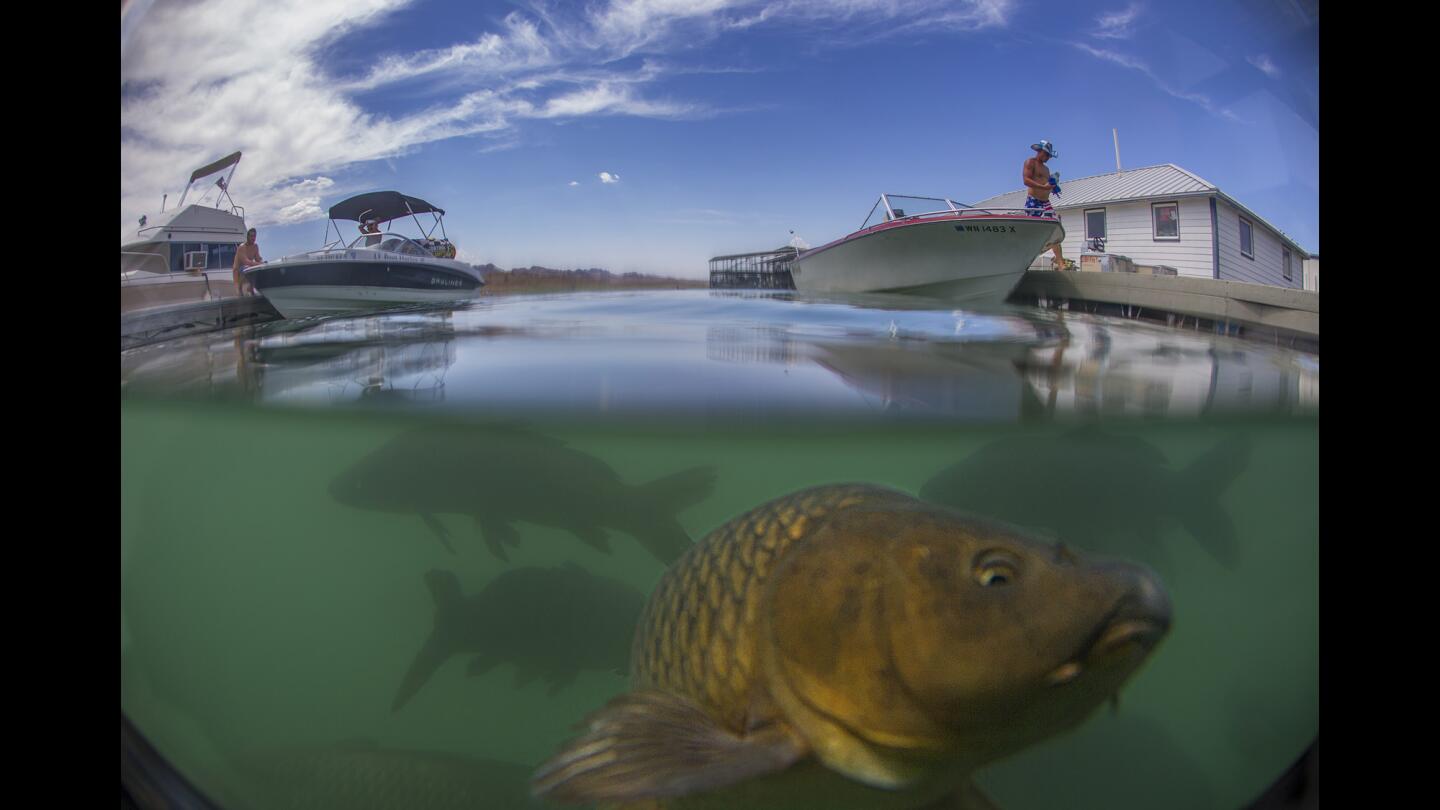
x: 262, y: 617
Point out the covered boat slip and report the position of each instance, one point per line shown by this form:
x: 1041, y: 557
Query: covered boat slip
x: 935, y: 246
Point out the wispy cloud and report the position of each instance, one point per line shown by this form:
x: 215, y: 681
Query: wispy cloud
x: 188, y: 95
x: 1132, y: 63
x: 574, y: 183
x: 1117, y: 24
x: 607, y: 178
x: 1264, y: 65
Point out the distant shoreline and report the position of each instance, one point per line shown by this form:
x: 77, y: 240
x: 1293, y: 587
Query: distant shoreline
x: 546, y: 279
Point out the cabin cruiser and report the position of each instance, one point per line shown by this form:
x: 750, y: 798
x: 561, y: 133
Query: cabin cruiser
x: 185, y: 255
x: 934, y: 247
x: 376, y: 270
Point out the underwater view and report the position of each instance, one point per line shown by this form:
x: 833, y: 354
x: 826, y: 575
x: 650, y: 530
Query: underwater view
x: 396, y: 560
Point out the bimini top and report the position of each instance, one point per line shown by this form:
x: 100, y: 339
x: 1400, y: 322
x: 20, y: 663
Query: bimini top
x: 381, y: 206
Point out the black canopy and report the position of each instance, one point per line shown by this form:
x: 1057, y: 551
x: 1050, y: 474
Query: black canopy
x: 381, y: 206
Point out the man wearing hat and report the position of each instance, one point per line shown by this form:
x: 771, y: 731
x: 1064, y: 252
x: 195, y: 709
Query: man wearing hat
x: 1037, y: 186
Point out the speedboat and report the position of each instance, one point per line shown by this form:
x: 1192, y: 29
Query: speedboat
x: 377, y: 270
x: 938, y: 248
x: 185, y: 255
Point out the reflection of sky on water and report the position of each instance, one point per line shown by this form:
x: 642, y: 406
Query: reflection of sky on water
x: 755, y: 353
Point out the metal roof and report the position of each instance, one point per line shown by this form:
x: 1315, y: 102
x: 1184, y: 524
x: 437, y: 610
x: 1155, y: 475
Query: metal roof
x: 1150, y: 182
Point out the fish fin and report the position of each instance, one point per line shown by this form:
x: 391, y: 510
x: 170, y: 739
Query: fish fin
x: 498, y: 534
x: 594, y: 537
x: 677, y: 491
x: 439, y: 529
x: 656, y: 504
x: 664, y: 538
x: 1198, y: 504
x: 481, y: 664
x: 652, y: 744
x: 431, y: 656
x: 445, y: 590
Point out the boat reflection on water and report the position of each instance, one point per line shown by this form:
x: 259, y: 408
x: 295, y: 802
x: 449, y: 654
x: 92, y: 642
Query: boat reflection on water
x: 396, y: 358
x: 400, y: 357
x: 1035, y: 370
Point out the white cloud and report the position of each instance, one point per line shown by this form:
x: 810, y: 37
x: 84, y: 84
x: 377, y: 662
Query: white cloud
x: 300, y: 211
x: 313, y: 184
x: 1117, y: 24
x: 1135, y: 64
x: 607, y: 177
x: 1263, y: 63
x: 573, y: 183
x: 188, y: 95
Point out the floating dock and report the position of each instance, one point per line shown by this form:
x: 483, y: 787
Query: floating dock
x: 153, y: 324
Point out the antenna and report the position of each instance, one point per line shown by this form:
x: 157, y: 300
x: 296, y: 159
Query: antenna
x: 1116, y: 135
x: 162, y: 203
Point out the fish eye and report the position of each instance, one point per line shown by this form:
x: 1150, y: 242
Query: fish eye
x: 994, y: 569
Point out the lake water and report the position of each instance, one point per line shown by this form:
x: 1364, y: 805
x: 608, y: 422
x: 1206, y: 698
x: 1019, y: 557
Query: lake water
x: 296, y: 496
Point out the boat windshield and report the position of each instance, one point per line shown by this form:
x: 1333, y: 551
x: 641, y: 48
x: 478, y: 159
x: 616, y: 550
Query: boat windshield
x: 896, y: 206
x: 390, y: 243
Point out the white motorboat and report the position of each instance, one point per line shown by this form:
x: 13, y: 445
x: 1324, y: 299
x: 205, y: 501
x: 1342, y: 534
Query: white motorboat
x: 949, y: 250
x: 377, y: 270
x: 185, y: 255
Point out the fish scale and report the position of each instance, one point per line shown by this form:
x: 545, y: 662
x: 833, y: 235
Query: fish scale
x: 697, y: 634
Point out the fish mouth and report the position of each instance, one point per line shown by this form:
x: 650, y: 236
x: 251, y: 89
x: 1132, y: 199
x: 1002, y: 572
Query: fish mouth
x: 1144, y: 632
x: 1130, y: 630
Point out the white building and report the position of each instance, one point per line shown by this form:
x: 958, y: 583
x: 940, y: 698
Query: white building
x: 1312, y: 272
x: 1164, y: 215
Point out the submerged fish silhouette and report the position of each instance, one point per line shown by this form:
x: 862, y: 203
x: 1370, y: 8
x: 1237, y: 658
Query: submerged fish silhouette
x: 1095, y: 488
x: 500, y: 475
x: 357, y: 775
x: 550, y: 623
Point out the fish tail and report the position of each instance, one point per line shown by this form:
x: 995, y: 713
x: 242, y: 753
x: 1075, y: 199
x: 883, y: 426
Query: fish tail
x: 679, y: 490
x: 654, y: 524
x: 1201, y: 485
x: 445, y: 589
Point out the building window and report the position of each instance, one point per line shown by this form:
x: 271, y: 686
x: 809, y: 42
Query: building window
x: 1285, y: 264
x: 1166, y: 220
x: 1247, y: 238
x: 1095, y: 224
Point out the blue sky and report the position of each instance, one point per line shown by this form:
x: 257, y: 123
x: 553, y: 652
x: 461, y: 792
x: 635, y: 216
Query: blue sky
x: 720, y: 125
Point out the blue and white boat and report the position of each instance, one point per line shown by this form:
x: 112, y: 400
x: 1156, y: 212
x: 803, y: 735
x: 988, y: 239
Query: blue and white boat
x: 379, y: 269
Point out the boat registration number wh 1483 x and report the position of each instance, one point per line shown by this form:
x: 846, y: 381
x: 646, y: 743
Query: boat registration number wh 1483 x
x: 986, y: 228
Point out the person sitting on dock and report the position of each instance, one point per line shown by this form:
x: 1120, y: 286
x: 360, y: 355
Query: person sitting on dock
x: 247, y: 255
x: 1037, y: 186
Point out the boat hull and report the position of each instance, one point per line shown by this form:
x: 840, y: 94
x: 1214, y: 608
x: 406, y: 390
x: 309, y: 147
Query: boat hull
x: 959, y: 257
x: 304, y: 288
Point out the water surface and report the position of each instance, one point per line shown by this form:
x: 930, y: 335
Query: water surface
x: 273, y: 606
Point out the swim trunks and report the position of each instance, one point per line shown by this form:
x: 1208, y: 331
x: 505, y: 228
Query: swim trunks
x: 1038, y: 207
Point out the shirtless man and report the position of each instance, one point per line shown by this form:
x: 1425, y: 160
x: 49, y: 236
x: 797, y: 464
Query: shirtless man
x: 1037, y: 185
x: 247, y: 255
